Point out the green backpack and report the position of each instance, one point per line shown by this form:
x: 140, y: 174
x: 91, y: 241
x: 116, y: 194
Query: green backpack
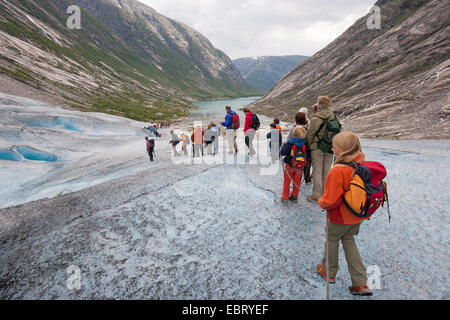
x: 332, y: 128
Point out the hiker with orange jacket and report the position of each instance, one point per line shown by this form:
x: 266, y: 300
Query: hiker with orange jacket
x: 197, y: 141
x: 343, y: 226
x: 278, y: 126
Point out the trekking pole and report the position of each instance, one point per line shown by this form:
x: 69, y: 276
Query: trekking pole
x: 327, y: 269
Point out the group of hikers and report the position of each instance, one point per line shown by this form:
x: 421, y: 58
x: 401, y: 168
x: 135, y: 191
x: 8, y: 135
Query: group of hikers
x: 345, y: 185
x: 335, y: 158
x: 199, y: 138
x: 153, y: 128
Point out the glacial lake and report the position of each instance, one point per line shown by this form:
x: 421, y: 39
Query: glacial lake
x: 215, y: 108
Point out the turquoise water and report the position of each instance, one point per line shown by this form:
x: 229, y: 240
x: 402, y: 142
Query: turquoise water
x: 36, y: 155
x: 66, y: 123
x: 217, y: 107
x: 27, y: 153
x: 9, y: 155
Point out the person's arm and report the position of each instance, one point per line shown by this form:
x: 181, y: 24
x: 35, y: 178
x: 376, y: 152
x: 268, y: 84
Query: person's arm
x: 289, y: 137
x: 308, y: 151
x: 311, y: 133
x: 228, y: 120
x: 332, y: 196
x: 286, y: 149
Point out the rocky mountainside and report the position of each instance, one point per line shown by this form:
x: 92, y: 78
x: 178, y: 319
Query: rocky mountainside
x: 265, y: 71
x: 126, y: 59
x: 391, y: 83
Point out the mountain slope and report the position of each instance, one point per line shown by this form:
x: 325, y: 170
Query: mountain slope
x: 264, y: 72
x: 392, y: 82
x: 127, y: 59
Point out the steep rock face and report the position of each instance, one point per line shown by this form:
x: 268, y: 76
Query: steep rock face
x: 391, y: 83
x: 265, y: 71
x: 127, y: 59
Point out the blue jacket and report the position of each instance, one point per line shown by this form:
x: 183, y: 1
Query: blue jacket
x: 286, y: 149
x: 228, y: 120
x: 280, y: 138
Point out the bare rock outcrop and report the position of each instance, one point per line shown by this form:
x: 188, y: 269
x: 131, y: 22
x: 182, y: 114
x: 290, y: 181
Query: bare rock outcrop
x: 388, y: 83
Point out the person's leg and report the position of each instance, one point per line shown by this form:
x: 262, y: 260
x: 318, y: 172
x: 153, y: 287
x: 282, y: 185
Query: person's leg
x: 287, y: 182
x: 297, y: 181
x: 335, y: 233
x: 317, y: 160
x: 231, y: 135
x: 217, y: 146
x: 198, y: 149
x: 358, y: 272
x: 307, y: 171
x: 251, y: 135
x: 326, y: 167
x: 209, y: 149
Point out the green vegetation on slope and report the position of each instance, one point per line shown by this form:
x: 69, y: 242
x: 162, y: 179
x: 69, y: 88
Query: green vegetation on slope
x: 132, y: 67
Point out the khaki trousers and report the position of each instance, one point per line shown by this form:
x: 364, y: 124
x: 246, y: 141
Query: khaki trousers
x: 231, y: 138
x: 345, y: 234
x: 321, y: 164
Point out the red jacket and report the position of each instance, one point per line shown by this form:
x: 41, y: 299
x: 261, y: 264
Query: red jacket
x: 248, y: 121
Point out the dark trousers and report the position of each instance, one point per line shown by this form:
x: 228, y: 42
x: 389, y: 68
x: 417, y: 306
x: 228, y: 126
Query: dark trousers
x: 150, y: 153
x: 307, y: 170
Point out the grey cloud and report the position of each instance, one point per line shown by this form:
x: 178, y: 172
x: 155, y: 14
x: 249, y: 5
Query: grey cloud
x: 266, y: 27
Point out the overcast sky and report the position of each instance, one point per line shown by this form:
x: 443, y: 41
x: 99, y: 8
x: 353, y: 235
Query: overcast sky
x: 246, y: 28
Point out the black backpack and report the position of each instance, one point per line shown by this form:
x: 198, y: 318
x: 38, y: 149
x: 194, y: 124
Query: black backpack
x: 332, y: 128
x: 255, y: 122
x: 152, y: 143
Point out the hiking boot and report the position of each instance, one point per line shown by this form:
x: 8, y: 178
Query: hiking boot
x: 284, y: 201
x: 293, y: 199
x: 312, y: 199
x: 321, y: 272
x: 363, y: 291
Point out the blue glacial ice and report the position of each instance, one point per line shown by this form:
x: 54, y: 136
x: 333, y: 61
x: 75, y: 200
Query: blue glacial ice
x: 9, y: 155
x: 36, y: 155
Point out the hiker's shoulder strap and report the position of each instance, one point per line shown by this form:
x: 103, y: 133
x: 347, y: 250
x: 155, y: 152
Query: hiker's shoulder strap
x: 336, y: 118
x: 324, y: 122
x: 352, y: 164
